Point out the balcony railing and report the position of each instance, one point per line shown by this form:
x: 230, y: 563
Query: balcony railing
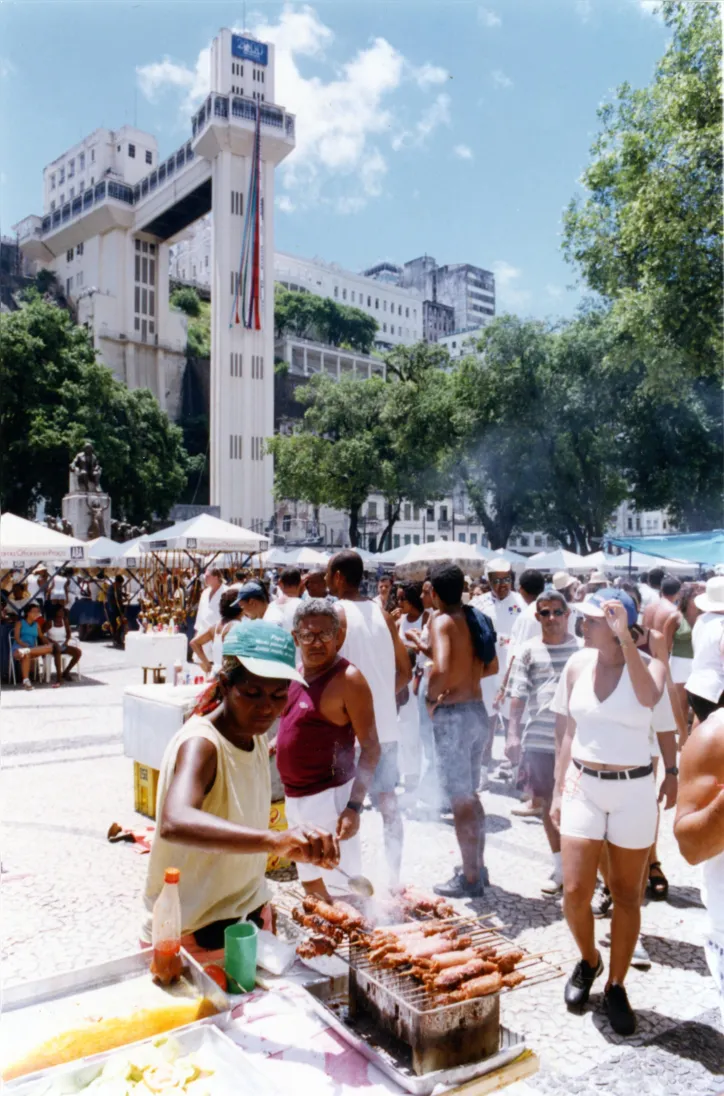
x: 238, y: 106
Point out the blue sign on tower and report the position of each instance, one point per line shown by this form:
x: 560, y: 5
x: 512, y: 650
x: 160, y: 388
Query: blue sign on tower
x: 249, y: 50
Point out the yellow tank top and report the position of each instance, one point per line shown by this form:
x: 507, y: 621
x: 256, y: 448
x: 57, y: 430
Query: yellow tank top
x: 214, y: 886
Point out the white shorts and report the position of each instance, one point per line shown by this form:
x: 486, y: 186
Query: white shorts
x: 623, y: 812
x: 680, y: 668
x: 323, y: 810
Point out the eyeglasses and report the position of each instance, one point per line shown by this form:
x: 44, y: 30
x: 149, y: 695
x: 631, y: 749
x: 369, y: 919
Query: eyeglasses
x: 500, y: 581
x: 551, y: 612
x: 308, y: 638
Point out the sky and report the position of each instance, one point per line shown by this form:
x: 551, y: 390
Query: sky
x: 453, y: 129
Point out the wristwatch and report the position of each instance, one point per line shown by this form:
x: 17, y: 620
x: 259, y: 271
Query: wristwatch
x: 357, y: 807
x: 673, y: 771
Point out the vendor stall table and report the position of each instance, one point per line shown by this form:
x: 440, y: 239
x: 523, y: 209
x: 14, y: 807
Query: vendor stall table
x: 156, y: 649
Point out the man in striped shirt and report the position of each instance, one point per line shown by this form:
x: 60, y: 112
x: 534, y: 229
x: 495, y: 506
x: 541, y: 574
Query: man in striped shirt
x: 534, y: 678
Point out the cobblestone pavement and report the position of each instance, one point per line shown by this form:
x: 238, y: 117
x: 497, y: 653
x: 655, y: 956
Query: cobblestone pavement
x: 68, y: 898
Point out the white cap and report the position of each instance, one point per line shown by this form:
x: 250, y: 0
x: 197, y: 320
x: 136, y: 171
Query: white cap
x: 497, y: 566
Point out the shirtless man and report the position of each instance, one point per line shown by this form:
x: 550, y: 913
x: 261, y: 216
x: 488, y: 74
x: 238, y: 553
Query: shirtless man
x: 463, y: 652
x: 663, y: 615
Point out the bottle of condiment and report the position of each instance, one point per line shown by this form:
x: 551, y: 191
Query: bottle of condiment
x: 178, y: 671
x: 166, y: 964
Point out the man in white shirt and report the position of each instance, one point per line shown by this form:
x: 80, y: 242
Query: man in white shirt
x: 650, y: 586
x: 208, y: 613
x: 705, y: 684
x: 282, y: 609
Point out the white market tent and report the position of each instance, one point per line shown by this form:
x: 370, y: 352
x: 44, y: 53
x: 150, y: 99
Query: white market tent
x: 24, y: 542
x: 132, y: 553
x: 642, y: 562
x: 418, y: 557
x: 560, y: 559
x: 104, y: 552
x: 205, y: 533
x: 394, y: 555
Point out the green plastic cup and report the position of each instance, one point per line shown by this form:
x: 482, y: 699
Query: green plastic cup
x: 240, y: 954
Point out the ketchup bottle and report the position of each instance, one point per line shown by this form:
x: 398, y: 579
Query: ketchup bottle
x: 166, y: 964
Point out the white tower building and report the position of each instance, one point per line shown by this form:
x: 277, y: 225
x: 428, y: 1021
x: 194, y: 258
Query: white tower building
x: 118, y: 223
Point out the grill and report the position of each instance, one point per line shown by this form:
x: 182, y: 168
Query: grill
x: 434, y: 1035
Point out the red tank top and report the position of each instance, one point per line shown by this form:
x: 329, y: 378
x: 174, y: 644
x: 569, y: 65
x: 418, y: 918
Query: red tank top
x: 312, y: 753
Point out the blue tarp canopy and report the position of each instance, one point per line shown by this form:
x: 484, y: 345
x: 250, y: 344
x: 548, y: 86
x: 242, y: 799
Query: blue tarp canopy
x: 704, y: 548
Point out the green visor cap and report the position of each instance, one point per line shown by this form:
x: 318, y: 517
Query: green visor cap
x: 264, y: 650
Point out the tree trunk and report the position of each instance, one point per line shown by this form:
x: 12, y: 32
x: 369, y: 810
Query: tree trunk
x: 393, y: 516
x: 354, y: 525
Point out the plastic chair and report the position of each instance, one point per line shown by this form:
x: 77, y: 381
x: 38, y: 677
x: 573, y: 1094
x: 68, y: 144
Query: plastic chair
x: 34, y: 666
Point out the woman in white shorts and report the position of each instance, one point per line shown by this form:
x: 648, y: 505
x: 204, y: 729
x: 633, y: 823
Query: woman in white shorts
x: 605, y: 789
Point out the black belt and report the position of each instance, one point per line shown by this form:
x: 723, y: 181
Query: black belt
x: 622, y: 774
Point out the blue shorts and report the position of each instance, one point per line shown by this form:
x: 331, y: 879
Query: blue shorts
x: 387, y: 775
x: 460, y: 733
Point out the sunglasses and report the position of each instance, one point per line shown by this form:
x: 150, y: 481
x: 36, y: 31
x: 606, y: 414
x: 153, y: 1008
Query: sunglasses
x: 308, y: 638
x: 551, y: 612
x: 501, y: 581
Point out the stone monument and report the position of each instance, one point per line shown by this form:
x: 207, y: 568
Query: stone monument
x: 86, y: 508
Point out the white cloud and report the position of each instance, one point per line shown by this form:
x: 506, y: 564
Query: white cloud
x: 554, y: 291
x: 285, y: 204
x: 427, y: 75
x: 489, y: 18
x: 437, y: 114
x: 464, y: 152
x: 649, y: 7
x: 500, y: 79
x: 508, y: 295
x: 344, y: 120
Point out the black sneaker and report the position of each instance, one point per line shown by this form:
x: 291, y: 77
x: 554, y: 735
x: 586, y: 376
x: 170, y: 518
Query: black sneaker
x: 578, y: 986
x: 484, y: 877
x: 621, y: 1016
x: 458, y: 887
x: 602, y: 901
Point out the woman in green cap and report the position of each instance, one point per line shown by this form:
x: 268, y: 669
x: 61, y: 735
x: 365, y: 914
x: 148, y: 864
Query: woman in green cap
x: 214, y: 793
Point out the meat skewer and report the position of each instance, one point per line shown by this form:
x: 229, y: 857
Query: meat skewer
x: 318, y: 925
x: 342, y: 916
x: 514, y: 979
x: 450, y: 979
x: 476, y: 987
x: 315, y: 946
x: 436, y: 945
x: 506, y: 963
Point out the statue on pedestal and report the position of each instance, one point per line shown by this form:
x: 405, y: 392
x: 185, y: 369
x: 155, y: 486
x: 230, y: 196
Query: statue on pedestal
x: 86, y: 469
x: 96, y: 526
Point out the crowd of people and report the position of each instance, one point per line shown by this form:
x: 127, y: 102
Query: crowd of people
x: 393, y: 700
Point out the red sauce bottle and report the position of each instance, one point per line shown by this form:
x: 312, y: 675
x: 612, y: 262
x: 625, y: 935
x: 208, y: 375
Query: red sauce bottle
x: 166, y: 965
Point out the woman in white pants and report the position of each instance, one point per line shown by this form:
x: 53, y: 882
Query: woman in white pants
x: 605, y: 789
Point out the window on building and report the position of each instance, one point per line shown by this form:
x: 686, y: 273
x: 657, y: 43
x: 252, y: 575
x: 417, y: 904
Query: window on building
x: 72, y: 193
x: 62, y: 199
x: 92, y: 180
x: 407, y: 313
x: 52, y: 181
x: 52, y: 205
x: 81, y: 186
x: 69, y: 285
x: 81, y: 161
x: 638, y: 524
x: 392, y: 329
x: 377, y: 303
x: 369, y: 302
x: 407, y: 539
x: 407, y: 511
x: 287, y: 523
x: 630, y: 524
x: 132, y: 152
x: 336, y: 291
x: 399, y: 310
x: 372, y: 510
x: 431, y: 513
x: 415, y: 538
x: 353, y: 295
x: 71, y: 168
x: 461, y: 538
x: 149, y: 156
x: 79, y: 249
x: 93, y: 155
x: 396, y: 540
x: 431, y: 539
x: 384, y: 305
x: 473, y: 538
x: 61, y: 175
x: 443, y: 513
x: 79, y: 279
x: 416, y: 513
x: 524, y: 541
x: 384, y: 327
x: 69, y: 255
x: 344, y: 294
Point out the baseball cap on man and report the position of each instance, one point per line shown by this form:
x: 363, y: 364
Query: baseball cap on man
x: 497, y: 566
x: 250, y: 590
x: 264, y: 650
x: 592, y: 604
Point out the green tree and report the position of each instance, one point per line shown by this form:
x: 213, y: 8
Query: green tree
x: 648, y: 235
x: 55, y: 395
x: 334, y: 457
x: 323, y: 320
x: 187, y: 300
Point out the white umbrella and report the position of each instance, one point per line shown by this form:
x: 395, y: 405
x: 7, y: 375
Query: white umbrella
x: 309, y: 557
x: 419, y: 557
x: 23, y: 542
x: 393, y: 556
x: 560, y: 560
x: 204, y: 534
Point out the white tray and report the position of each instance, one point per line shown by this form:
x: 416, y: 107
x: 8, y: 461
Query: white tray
x: 236, y: 1072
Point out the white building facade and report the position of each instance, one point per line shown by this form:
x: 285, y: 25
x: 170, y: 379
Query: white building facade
x: 108, y: 242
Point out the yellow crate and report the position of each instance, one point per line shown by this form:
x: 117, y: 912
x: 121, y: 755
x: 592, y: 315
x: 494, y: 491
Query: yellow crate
x: 145, y: 787
x: 278, y: 821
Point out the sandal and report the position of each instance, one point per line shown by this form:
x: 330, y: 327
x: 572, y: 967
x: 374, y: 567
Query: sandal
x: 658, y: 885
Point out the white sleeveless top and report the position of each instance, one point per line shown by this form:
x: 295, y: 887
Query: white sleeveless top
x: 214, y: 886
x: 610, y: 732
x: 368, y: 646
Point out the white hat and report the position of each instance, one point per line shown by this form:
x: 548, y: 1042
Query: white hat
x: 599, y: 576
x: 562, y: 580
x: 497, y: 566
x: 712, y: 600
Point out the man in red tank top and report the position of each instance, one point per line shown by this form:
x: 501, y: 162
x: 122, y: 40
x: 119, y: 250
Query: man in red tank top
x: 321, y: 725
